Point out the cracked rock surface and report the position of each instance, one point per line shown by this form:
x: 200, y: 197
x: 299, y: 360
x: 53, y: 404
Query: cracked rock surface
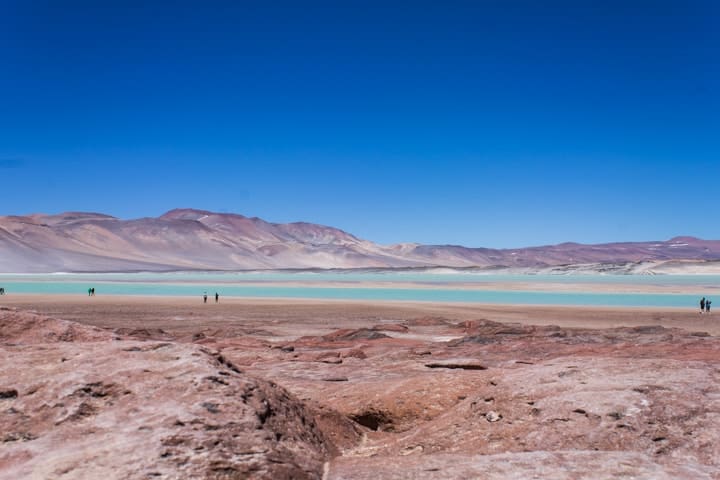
x: 430, y: 397
x: 144, y: 409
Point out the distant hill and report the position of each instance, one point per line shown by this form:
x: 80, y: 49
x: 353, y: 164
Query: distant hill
x: 187, y: 239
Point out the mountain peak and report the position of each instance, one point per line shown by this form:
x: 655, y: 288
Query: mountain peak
x: 684, y: 239
x: 185, y: 214
x: 188, y: 238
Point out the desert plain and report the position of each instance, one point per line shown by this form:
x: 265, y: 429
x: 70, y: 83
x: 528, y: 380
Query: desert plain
x: 171, y: 388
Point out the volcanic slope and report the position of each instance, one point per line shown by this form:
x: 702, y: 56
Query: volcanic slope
x: 186, y: 239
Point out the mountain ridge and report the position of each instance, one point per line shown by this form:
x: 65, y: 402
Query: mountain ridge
x: 192, y: 239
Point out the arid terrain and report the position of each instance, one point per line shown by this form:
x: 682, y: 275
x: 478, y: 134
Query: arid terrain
x: 142, y: 387
x: 188, y: 239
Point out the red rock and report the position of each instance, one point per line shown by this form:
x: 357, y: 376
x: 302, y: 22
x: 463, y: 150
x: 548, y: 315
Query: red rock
x: 560, y: 465
x: 27, y: 328
x: 357, y: 334
x: 457, y: 363
x: 354, y: 353
x: 391, y: 327
x: 129, y: 409
x: 575, y: 403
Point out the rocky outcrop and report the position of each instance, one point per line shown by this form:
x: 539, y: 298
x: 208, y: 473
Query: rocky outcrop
x: 562, y: 465
x: 506, y: 401
x: 435, y: 398
x: 94, y: 407
x: 19, y: 327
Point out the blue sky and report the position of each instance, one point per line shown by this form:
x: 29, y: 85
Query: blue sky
x: 485, y: 123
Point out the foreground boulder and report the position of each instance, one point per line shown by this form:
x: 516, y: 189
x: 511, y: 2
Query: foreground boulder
x: 19, y: 327
x: 133, y: 409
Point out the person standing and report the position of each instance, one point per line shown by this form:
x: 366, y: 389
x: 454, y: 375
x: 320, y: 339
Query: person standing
x: 205, y: 297
x: 217, y: 297
x: 707, y: 305
x: 702, y: 304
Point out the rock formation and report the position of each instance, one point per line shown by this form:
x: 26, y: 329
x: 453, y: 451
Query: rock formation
x: 429, y: 398
x: 77, y: 403
x: 512, y: 401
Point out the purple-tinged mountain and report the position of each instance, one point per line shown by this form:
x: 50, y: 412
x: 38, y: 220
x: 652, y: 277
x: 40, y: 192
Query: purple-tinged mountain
x: 186, y: 239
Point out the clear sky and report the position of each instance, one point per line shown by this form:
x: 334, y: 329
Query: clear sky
x: 493, y: 123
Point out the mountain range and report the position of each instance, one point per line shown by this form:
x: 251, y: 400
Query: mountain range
x: 188, y: 239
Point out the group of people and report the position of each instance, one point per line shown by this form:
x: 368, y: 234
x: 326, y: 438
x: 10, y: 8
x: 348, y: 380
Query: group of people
x: 705, y: 305
x: 217, y: 297
x: 91, y: 292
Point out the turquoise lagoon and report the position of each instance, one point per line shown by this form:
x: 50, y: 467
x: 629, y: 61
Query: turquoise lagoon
x: 450, y: 286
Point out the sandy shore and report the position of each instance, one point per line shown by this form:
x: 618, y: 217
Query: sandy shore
x: 290, y: 318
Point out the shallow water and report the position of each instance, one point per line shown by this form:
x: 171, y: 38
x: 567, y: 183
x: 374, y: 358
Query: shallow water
x: 355, y: 276
x: 451, y: 287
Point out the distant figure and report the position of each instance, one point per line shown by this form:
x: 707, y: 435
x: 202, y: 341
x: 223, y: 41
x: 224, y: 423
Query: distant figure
x: 89, y: 291
x: 2, y: 291
x: 702, y: 304
x: 707, y: 306
x: 217, y: 297
x: 205, y: 297
x: 92, y: 291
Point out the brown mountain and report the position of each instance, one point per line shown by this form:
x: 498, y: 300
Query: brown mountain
x: 187, y: 239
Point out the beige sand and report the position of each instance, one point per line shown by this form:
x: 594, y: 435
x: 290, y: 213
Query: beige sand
x: 287, y: 318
